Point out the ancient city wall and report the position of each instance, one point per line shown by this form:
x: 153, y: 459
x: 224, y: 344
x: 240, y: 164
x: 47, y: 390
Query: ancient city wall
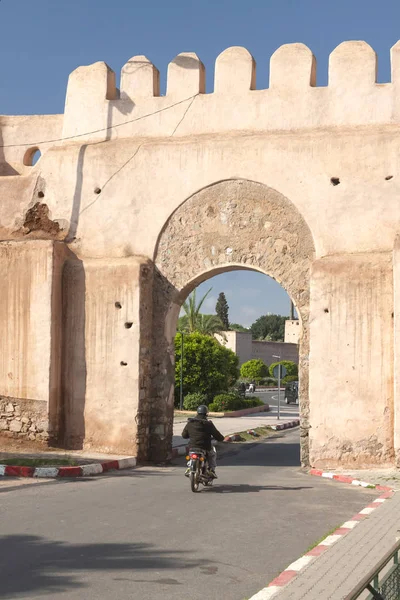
x: 129, y: 179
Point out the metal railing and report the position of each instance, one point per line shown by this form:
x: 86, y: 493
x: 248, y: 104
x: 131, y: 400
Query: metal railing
x: 383, y: 581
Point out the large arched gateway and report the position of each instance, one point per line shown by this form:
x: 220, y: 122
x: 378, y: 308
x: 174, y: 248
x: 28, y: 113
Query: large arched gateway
x: 227, y: 225
x: 137, y: 197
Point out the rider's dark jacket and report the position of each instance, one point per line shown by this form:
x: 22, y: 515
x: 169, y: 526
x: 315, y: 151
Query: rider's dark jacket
x: 201, y: 431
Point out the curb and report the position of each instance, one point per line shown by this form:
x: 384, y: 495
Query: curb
x: 234, y: 437
x: 280, y: 582
x: 80, y: 471
x: 350, y: 480
x: 287, y: 425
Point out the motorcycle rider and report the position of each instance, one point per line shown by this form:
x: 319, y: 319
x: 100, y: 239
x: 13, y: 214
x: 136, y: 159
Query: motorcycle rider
x: 199, y: 430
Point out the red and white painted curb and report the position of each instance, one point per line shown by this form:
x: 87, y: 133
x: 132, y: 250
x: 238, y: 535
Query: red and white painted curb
x: 79, y: 471
x: 287, y: 425
x: 280, y: 582
x: 235, y: 437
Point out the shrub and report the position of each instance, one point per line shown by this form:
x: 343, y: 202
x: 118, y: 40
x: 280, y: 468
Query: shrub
x: 232, y: 402
x: 289, y: 378
x: 253, y: 402
x: 227, y: 402
x: 254, y: 369
x: 192, y: 401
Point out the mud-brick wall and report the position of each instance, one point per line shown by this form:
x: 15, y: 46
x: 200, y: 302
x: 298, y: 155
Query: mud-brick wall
x: 107, y: 306
x: 351, y: 361
x: 30, y: 348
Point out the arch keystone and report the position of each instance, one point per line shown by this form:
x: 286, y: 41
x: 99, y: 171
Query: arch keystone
x: 235, y: 71
x: 293, y: 66
x: 140, y: 78
x: 353, y: 65
x: 186, y: 76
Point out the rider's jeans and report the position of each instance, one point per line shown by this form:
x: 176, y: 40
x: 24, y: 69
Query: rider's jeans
x: 212, y: 458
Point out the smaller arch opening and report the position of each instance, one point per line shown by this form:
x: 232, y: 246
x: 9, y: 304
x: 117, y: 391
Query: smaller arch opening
x: 32, y: 156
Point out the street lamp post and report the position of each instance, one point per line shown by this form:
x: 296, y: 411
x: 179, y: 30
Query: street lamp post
x: 181, y: 386
x: 279, y: 386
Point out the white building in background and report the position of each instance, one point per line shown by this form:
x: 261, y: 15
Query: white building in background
x: 246, y: 348
x: 292, y: 331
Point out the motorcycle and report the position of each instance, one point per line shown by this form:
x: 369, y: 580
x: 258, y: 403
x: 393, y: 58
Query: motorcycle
x: 198, y: 469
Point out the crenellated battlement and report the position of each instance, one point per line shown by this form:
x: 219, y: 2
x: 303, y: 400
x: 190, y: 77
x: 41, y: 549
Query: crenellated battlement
x: 96, y: 110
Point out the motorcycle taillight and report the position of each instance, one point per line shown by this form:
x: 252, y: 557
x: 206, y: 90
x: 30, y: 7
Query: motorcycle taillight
x: 194, y: 456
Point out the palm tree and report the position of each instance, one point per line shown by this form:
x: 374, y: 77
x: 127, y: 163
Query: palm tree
x: 193, y: 320
x: 210, y: 324
x: 192, y: 311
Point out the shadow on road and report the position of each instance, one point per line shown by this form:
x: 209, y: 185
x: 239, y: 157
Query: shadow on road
x: 274, y: 455
x: 244, y: 488
x: 30, y: 564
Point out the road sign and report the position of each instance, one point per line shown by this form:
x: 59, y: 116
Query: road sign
x: 282, y: 373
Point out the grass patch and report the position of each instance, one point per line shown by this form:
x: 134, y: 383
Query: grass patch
x: 262, y: 432
x: 322, y: 539
x: 39, y: 462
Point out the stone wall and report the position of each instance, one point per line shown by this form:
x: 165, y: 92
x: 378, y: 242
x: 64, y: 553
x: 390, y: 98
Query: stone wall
x: 24, y: 419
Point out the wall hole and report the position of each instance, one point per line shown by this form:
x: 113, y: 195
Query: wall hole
x: 123, y: 364
x: 41, y: 194
x: 326, y: 310
x: 97, y: 190
x: 128, y: 325
x: 31, y: 157
x: 118, y: 305
x: 335, y: 180
x: 389, y: 177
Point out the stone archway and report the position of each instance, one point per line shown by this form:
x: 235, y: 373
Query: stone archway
x: 230, y: 224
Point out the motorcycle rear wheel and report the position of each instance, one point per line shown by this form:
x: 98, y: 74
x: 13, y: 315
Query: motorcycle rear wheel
x: 194, y: 481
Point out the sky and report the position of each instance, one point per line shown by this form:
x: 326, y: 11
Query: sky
x: 42, y: 41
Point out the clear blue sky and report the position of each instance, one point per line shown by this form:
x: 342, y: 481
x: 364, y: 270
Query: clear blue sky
x: 42, y: 41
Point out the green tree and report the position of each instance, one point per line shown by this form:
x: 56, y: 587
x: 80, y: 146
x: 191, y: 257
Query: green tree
x: 238, y: 327
x: 291, y: 367
x: 222, y: 310
x: 270, y: 328
x: 205, y: 324
x: 254, y: 369
x: 208, y: 367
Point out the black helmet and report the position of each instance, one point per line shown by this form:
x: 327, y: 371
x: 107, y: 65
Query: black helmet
x: 202, y: 410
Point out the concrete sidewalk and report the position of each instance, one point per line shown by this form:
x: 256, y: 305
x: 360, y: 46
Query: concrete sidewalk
x: 334, y: 574
x: 228, y: 425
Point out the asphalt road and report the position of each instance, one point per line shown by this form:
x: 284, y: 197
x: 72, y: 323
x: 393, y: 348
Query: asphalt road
x: 271, y: 398
x: 142, y: 534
